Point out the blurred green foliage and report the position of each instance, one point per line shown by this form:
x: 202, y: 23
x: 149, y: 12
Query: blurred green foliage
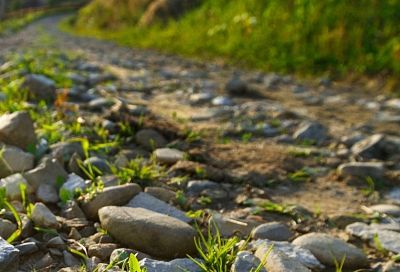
x: 335, y: 37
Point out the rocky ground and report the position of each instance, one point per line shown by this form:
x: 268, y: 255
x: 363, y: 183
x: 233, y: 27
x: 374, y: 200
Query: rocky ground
x: 121, y: 150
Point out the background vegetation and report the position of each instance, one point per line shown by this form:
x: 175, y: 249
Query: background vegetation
x: 335, y: 37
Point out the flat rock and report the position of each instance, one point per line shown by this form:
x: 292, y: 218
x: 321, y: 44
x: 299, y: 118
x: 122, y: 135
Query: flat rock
x: 311, y: 131
x: 14, y: 160
x: 196, y: 187
x: 12, y: 185
x: 102, y: 251
x: 9, y: 257
x: 150, y: 232
x: 327, y: 249
x: 43, y: 217
x: 150, y: 139
x: 362, y: 169
x: 50, y: 171
x: 168, y: 155
x: 274, y: 231
x: 246, y: 261
x: 110, y: 196
x: 17, y: 129
x: 149, y: 202
x: 161, y: 193
x: 392, y: 210
x: 370, y: 148
x: 277, y: 261
x: 183, y: 264
x: 388, y: 239
x: 297, y: 253
x: 39, y: 87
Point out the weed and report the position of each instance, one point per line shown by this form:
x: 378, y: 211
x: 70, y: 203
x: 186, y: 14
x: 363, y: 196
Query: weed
x: 246, y: 137
x: 217, y: 253
x: 300, y: 175
x: 339, y: 265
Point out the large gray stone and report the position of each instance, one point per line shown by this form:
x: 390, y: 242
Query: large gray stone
x: 362, y: 169
x: 39, y: 87
x: 389, y: 209
x: 9, y: 257
x: 176, y: 265
x: 110, y: 196
x: 50, y: 171
x: 329, y: 249
x: 149, y: 202
x: 14, y: 160
x: 17, y: 129
x: 150, y: 232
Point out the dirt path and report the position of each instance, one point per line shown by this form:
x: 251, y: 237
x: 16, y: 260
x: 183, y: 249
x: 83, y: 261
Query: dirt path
x: 169, y: 85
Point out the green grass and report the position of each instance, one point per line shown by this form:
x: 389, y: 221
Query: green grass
x: 14, y: 24
x: 307, y: 37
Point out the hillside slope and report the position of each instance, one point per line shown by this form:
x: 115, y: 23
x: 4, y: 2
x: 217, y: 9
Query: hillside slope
x: 335, y: 38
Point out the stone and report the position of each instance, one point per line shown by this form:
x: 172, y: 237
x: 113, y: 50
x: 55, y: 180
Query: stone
x: 168, y: 155
x: 297, y: 253
x: 14, y: 160
x: 327, y: 249
x: 102, y: 251
x: 150, y: 232
x: 392, y: 210
x: 12, y: 186
x: 43, y: 217
x: 236, y: 86
x: 362, y: 169
x: 56, y: 242
x: 9, y: 257
x: 63, y: 151
x: 110, y: 196
x: 6, y: 228
x: 47, y: 193
x: 222, y: 101
x: 70, y: 260
x: 149, y: 202
x: 274, y: 231
x: 100, y: 103
x: 388, y: 239
x: 27, y: 248
x: 196, y: 187
x: 391, y: 266
x: 161, y: 193
x: 71, y: 210
x: 372, y: 147
x: 229, y: 226
x: 150, y: 139
x: 50, y: 171
x: 39, y: 87
x: 311, y: 131
x: 245, y: 261
x: 184, y: 264
x: 17, y: 129
x: 101, y: 164
x: 74, y: 183
x: 277, y: 261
